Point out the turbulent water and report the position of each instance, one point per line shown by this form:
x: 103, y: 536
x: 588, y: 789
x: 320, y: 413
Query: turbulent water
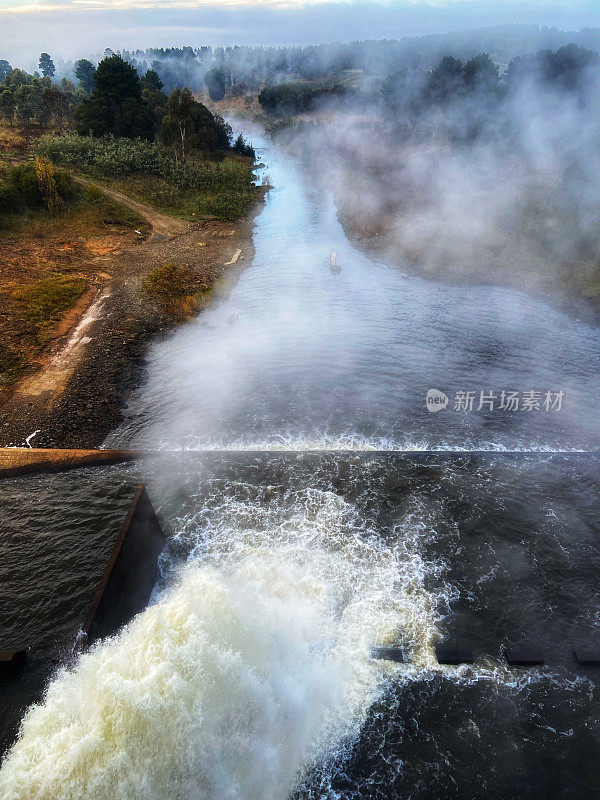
x: 307, y: 525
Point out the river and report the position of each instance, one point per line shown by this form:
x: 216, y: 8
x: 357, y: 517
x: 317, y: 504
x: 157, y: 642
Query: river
x: 317, y: 507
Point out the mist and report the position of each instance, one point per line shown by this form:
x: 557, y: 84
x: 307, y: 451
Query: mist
x: 500, y: 184
x: 69, y: 31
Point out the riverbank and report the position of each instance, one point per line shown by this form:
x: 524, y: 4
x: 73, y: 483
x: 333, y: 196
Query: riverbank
x: 382, y: 246
x: 75, y: 393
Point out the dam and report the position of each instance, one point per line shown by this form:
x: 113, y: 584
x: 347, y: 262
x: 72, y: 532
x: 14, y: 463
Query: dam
x: 314, y: 509
x: 123, y: 589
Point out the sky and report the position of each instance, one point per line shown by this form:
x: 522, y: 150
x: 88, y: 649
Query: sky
x: 76, y: 28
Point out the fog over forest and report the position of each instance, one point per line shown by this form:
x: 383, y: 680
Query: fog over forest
x: 470, y: 167
x: 472, y: 172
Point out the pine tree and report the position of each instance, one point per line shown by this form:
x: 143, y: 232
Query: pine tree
x: 85, y: 73
x: 46, y: 65
x: 115, y: 105
x: 5, y: 69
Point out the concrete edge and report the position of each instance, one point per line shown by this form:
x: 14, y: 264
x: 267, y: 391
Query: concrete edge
x: 15, y: 461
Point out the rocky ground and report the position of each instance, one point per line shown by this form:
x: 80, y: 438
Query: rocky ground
x: 95, y: 357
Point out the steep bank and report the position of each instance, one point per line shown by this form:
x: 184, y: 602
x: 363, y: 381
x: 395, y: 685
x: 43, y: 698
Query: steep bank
x: 75, y: 397
x: 572, y: 295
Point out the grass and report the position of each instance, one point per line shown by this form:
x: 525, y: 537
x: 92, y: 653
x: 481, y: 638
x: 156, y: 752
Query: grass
x: 38, y: 283
x: 40, y: 305
x: 12, y: 365
x: 178, y: 291
x: 228, y: 201
x: 89, y: 213
x: 30, y: 312
x: 227, y: 204
x: 13, y: 141
x: 158, y: 193
x: 218, y: 187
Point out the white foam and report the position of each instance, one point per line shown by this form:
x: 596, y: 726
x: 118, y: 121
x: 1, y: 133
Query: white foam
x: 326, y: 442
x: 254, y: 667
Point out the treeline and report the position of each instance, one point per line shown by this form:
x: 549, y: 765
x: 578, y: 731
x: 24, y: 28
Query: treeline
x: 29, y: 100
x: 467, y: 100
x: 237, y: 70
x: 113, y: 99
x: 287, y: 99
x: 463, y: 98
x: 35, y: 99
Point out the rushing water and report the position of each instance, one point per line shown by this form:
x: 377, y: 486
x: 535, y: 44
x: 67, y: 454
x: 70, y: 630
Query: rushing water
x: 250, y: 677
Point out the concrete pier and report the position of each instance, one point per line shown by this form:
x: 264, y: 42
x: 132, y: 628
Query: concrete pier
x: 131, y: 571
x: 16, y: 461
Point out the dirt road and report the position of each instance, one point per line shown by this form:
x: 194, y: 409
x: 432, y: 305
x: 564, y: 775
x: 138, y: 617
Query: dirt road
x: 162, y: 224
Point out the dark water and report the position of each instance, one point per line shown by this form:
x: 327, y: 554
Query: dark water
x: 509, y: 552
x: 480, y: 527
x: 57, y: 532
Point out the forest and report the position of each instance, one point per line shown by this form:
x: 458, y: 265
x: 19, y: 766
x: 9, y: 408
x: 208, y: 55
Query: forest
x: 116, y: 124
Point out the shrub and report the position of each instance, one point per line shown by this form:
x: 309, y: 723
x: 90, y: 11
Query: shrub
x: 48, y: 185
x: 8, y: 199
x: 287, y: 99
x: 107, y: 155
x: 171, y: 280
x: 226, y: 204
x: 223, y: 186
x: 178, y: 291
x: 35, y: 185
x: 112, y: 157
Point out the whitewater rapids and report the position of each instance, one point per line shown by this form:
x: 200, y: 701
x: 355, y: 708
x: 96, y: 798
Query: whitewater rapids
x: 252, y: 668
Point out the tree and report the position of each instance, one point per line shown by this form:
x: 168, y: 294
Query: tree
x: 17, y: 77
x: 156, y: 101
x: 480, y: 73
x: 180, y: 122
x: 188, y: 125
x: 85, y: 73
x: 115, y: 105
x: 7, y: 105
x: 152, y: 81
x: 29, y: 104
x: 401, y: 94
x: 242, y: 148
x: 57, y: 106
x: 287, y: 99
x: 445, y: 81
x: 567, y: 67
x: 217, y: 80
x: 46, y: 65
x: 5, y: 69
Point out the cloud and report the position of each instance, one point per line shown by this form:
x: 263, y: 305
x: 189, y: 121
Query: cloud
x: 27, y: 7
x: 565, y: 6
x: 76, y: 28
